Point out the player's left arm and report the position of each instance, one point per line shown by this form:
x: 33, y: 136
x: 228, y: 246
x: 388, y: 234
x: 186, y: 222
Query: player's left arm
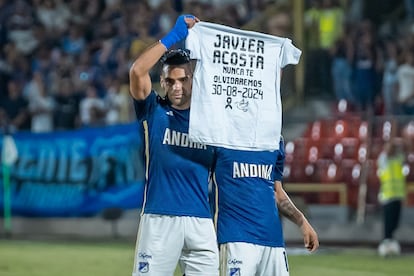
x: 288, y: 209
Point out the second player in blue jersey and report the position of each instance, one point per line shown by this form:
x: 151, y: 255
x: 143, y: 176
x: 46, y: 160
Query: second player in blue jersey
x: 250, y: 196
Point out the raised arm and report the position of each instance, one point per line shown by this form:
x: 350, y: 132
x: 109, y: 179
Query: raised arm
x: 139, y: 77
x: 289, y: 210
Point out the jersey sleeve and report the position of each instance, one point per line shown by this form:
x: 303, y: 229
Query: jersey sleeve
x: 289, y: 54
x: 280, y: 161
x: 145, y: 107
x: 192, y: 42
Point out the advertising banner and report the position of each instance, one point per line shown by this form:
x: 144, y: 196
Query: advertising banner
x: 76, y: 173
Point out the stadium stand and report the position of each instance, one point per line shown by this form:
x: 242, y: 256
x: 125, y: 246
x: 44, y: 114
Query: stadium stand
x: 343, y: 150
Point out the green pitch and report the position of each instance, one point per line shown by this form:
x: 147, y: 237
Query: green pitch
x: 38, y: 258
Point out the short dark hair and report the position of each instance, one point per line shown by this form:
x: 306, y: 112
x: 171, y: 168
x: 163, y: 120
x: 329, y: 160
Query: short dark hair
x: 176, y: 57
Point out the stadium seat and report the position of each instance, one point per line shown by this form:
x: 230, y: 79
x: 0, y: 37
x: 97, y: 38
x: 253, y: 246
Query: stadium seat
x: 332, y: 128
x: 409, y: 171
x: 409, y: 128
x: 373, y: 183
x: 385, y: 128
x: 321, y: 129
x: 341, y: 129
x: 410, y: 200
x: 410, y: 179
x: 327, y: 173
x: 326, y: 148
x: 316, y: 130
x: 297, y: 149
x: 342, y: 107
x: 350, y: 147
x: 289, y: 151
x: 363, y: 131
x: 376, y: 146
x: 372, y: 173
x: 407, y: 132
x: 345, y: 148
x: 296, y: 172
x: 313, y: 154
x: 362, y: 153
x: 351, y: 173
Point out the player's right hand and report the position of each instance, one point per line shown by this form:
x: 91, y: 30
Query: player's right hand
x: 180, y: 30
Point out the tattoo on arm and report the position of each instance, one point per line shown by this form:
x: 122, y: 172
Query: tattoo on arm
x: 289, y: 210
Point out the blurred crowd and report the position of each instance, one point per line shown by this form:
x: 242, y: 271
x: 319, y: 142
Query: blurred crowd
x: 64, y: 63
x: 362, y: 52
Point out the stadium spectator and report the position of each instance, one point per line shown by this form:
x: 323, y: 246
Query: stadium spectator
x: 126, y: 110
x: 17, y: 63
x: 13, y: 109
x: 104, y: 37
x: 276, y: 20
x: 163, y: 17
x: 405, y: 76
x: 341, y: 69
x: 176, y: 216
x: 19, y: 24
x: 43, y: 62
x: 92, y: 110
x: 311, y: 36
x: 409, y: 8
x: 54, y: 15
x: 366, y: 67
x: 116, y: 103
x: 67, y: 100
x: 77, y: 10
x: 74, y: 42
x: 389, y: 76
x: 325, y: 19
x: 85, y: 40
x: 41, y: 104
x: 355, y: 10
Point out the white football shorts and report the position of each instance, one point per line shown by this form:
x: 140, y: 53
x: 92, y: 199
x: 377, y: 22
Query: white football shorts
x: 164, y: 241
x: 240, y: 259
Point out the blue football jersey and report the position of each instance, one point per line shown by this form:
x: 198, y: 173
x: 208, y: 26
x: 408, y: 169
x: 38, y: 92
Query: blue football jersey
x: 247, y: 210
x: 177, y: 170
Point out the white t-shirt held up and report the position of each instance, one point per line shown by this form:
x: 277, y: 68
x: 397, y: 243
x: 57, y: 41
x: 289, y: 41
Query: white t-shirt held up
x: 236, y: 100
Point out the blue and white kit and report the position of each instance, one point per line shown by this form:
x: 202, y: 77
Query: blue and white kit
x: 246, y: 200
x: 176, y: 224
x: 178, y: 173
x: 249, y: 229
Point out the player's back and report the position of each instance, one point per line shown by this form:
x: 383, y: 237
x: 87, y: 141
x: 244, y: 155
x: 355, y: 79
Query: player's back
x: 247, y: 210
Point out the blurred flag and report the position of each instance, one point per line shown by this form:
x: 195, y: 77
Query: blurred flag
x: 9, y: 152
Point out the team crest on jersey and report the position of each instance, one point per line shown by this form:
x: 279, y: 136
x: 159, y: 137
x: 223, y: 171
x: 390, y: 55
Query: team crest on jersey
x: 143, y: 267
x: 235, y: 271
